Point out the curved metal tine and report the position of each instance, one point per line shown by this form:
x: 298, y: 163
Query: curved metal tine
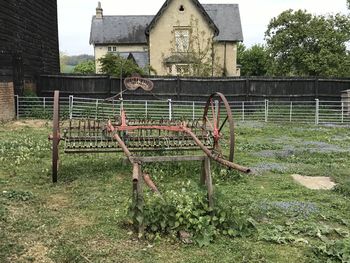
x: 85, y: 133
x: 196, y: 123
x: 99, y: 133
x: 113, y: 107
x: 219, y: 150
x: 224, y: 142
x: 218, y: 112
x: 70, y: 128
x: 209, y: 122
x: 213, y: 113
x: 161, y: 120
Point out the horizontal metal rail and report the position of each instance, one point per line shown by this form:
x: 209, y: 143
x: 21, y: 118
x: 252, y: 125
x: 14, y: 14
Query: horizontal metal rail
x: 317, y: 111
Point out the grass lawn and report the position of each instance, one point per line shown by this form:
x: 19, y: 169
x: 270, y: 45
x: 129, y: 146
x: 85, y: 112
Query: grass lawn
x: 83, y: 217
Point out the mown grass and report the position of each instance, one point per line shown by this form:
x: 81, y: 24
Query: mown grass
x: 83, y: 217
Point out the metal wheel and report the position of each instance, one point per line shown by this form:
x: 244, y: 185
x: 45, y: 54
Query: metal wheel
x: 55, y: 135
x: 217, y: 119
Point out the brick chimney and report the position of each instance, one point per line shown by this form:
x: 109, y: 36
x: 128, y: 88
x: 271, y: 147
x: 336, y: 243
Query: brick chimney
x: 99, y: 11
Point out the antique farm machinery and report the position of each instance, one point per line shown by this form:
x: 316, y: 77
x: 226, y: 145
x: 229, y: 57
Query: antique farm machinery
x: 212, y: 136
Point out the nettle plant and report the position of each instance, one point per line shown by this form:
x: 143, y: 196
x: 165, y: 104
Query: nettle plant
x: 187, y: 211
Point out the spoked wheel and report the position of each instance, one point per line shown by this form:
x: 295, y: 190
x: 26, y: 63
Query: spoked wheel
x: 55, y: 135
x: 217, y: 119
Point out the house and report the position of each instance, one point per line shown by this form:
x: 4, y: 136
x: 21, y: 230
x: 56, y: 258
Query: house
x: 183, y: 38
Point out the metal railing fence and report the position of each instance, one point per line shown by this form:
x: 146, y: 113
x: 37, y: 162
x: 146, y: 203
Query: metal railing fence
x: 317, y: 111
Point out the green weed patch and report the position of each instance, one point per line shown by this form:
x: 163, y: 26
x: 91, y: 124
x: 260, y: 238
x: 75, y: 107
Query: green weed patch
x: 264, y: 217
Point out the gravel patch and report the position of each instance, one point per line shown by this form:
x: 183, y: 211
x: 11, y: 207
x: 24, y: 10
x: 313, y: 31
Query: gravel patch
x: 267, y: 167
x: 295, y: 207
x: 341, y: 138
x: 323, y: 147
x: 252, y: 124
x: 285, y: 152
x: 300, y: 146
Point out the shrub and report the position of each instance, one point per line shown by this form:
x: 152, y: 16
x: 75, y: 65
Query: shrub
x: 188, y: 211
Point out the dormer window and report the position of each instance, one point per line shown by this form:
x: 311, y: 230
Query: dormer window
x: 181, y: 8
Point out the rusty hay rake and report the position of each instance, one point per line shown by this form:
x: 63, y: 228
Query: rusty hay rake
x: 212, y: 136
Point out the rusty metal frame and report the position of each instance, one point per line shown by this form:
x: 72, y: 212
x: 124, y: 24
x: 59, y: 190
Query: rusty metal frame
x: 217, y: 114
x: 182, y: 128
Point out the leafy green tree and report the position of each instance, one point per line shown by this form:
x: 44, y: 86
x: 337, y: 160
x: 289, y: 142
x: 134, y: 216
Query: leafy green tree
x: 75, y: 60
x: 114, y: 65
x: 85, y: 67
x: 63, y: 62
x: 68, y: 63
x: 254, y: 61
x: 307, y: 45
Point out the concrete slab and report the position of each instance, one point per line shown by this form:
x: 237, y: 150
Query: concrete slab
x: 314, y: 182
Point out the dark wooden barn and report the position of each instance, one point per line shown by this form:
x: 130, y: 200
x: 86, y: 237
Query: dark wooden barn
x: 28, y: 41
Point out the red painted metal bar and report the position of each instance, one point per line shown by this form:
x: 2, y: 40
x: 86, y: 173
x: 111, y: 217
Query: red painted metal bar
x: 180, y: 129
x: 150, y: 183
x: 215, y: 157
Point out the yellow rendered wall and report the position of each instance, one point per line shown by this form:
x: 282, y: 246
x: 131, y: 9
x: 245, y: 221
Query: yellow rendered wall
x: 102, y: 50
x: 162, y: 37
x: 226, y: 58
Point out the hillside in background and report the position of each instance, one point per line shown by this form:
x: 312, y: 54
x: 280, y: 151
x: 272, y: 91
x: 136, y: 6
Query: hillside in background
x: 68, y: 63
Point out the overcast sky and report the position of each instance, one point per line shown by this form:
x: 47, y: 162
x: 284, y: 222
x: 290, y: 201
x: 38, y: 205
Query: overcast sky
x: 74, y: 16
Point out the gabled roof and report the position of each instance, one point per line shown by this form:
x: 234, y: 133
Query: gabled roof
x: 119, y: 29
x: 131, y: 29
x: 227, y: 18
x: 196, y: 3
x: 139, y: 57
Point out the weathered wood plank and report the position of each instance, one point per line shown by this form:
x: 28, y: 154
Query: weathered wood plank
x: 29, y: 28
x: 302, y: 89
x: 209, y: 182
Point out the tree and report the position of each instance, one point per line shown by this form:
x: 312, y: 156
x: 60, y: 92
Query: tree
x: 75, y: 60
x: 63, y: 62
x: 114, y: 65
x: 254, y: 61
x: 304, y: 44
x: 85, y: 67
x: 68, y: 63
